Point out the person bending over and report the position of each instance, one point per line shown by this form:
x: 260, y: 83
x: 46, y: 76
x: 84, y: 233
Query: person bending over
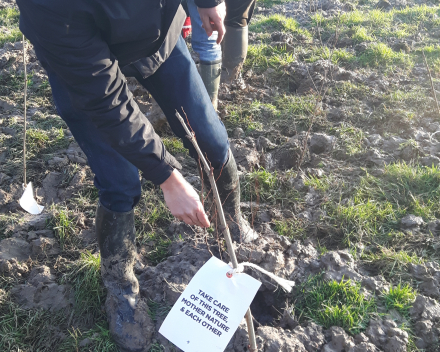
x: 88, y: 47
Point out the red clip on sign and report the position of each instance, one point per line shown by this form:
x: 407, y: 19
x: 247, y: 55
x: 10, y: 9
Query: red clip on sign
x: 186, y: 29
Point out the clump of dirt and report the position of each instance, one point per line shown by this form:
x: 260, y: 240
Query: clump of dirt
x: 42, y: 292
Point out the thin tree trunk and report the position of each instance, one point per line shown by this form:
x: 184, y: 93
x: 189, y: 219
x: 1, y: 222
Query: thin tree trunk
x: 223, y: 224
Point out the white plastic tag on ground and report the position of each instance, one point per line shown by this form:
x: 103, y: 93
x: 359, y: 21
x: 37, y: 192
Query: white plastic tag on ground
x: 28, y: 202
x: 208, y: 312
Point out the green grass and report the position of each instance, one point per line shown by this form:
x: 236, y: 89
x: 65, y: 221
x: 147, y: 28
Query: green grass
x: 158, y: 214
x: 85, y: 277
x: 417, y: 14
x: 366, y: 219
x: 99, y: 336
x: 43, y: 90
x: 48, y: 122
x: 152, y: 218
x: 319, y: 183
x: 156, y: 347
x: 378, y: 203
x: 11, y: 82
x: 338, y: 56
x: 381, y: 55
x: 63, y: 225
x: 414, y: 98
x: 350, y: 90
x: 400, y: 298
x: 360, y: 34
x: 11, y: 36
x: 260, y: 186
x: 39, y: 330
x: 352, y: 138
x: 399, y: 257
x: 8, y: 221
x: 294, y: 106
x: 157, y: 310
x: 411, y: 188
x: 401, y: 106
x: 43, y: 138
x: 246, y: 116
x: 29, y: 330
x: 377, y: 26
x: 398, y: 23
x: 87, y: 197
x: 373, y: 25
x: 332, y: 303
x: 277, y: 22
x: 9, y: 16
x: 152, y: 211
x: 392, y: 264
x: 38, y: 141
x: 157, y: 244
x: 270, y: 3
x: 174, y: 145
x: 291, y: 228
x: 260, y: 57
x: 432, y: 54
x: 285, y: 111
x: 9, y: 21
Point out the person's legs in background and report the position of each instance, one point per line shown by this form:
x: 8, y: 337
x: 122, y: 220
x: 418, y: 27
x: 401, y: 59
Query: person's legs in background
x: 176, y: 86
x: 235, y: 42
x: 209, y: 51
x: 233, y: 47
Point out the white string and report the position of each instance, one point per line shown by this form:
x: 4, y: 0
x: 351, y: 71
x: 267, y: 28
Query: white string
x: 287, y: 285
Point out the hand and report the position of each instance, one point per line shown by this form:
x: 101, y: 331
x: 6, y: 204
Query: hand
x: 212, y: 19
x: 183, y: 201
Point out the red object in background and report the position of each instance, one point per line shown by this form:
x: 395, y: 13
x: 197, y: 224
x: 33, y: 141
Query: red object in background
x: 186, y: 29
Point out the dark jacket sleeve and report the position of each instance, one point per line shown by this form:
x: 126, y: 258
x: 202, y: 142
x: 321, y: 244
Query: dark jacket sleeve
x: 208, y: 3
x: 76, y: 52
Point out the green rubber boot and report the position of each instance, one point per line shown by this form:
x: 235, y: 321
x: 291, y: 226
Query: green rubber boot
x: 210, y: 72
x: 234, y: 48
x: 127, y: 313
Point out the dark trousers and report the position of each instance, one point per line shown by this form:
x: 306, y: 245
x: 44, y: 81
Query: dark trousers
x: 239, y: 12
x: 174, y: 85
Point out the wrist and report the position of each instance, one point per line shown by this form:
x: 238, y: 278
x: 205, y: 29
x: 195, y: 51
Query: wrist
x: 171, y: 181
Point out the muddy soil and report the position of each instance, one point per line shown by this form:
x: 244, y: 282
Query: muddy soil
x: 339, y: 173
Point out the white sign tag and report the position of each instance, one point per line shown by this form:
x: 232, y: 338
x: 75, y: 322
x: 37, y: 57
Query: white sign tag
x: 28, y: 202
x: 208, y: 312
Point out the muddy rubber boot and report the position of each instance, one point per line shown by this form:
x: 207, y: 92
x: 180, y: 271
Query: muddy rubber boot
x: 210, y: 72
x: 228, y: 185
x: 129, y: 322
x: 234, y: 49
